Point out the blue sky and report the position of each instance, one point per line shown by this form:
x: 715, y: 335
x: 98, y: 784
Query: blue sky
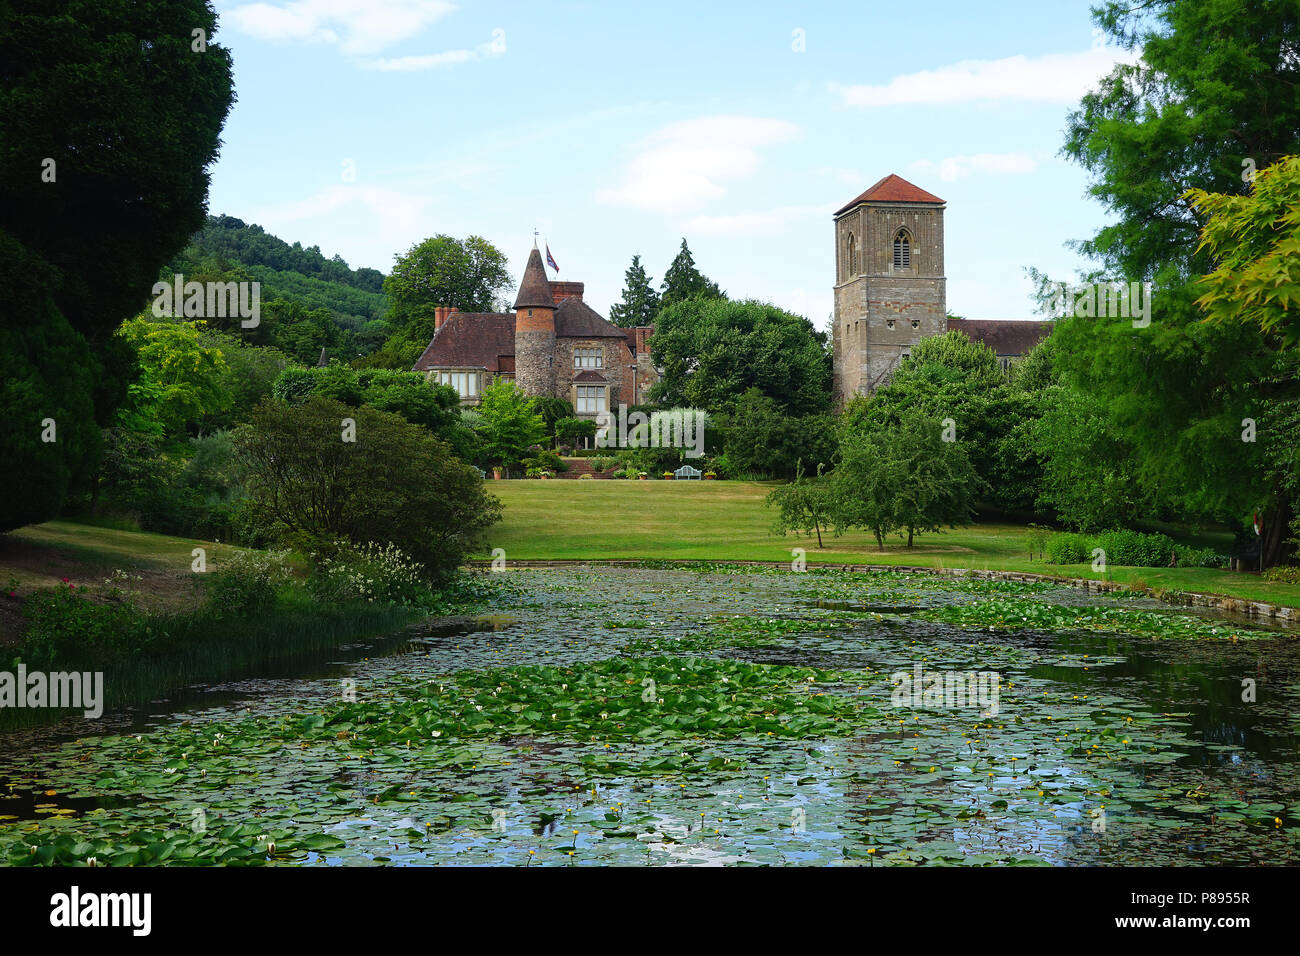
x: 613, y: 128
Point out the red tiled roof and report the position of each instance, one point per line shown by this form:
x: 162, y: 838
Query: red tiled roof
x: 1004, y: 336
x: 892, y: 189
x: 574, y: 319
x: 470, y: 340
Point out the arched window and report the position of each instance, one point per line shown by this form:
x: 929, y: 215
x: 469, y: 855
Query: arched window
x: 853, y: 256
x: 902, y: 250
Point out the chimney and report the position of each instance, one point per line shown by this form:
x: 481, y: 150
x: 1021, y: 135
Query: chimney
x: 566, y: 290
x: 441, y: 314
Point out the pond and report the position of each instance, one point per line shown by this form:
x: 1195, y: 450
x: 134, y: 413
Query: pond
x: 668, y: 716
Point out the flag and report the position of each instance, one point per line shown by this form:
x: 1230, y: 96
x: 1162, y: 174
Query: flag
x: 550, y: 259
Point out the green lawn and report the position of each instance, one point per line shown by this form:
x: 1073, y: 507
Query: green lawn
x: 728, y: 521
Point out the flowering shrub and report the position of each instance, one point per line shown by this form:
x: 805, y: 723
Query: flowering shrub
x: 247, y: 582
x: 372, y: 573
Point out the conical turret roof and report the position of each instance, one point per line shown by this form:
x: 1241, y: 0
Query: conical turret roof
x: 534, y: 290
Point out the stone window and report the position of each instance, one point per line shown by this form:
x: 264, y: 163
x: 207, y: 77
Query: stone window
x: 853, y: 256
x: 889, y: 323
x: 916, y: 323
x: 588, y: 358
x: 591, y: 399
x: 902, y: 250
x: 464, y: 382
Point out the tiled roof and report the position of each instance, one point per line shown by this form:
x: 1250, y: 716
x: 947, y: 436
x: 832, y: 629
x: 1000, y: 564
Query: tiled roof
x: 574, y: 319
x: 589, y: 376
x: 471, y: 340
x: 892, y: 189
x: 534, y: 290
x: 1003, y: 336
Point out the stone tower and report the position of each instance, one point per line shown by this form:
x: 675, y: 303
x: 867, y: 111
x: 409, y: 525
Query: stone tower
x: 535, y: 330
x: 889, y: 283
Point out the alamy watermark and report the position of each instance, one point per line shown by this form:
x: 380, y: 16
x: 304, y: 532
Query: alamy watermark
x: 209, y: 300
x: 674, y: 428
x: 928, y: 690
x: 71, y: 690
x: 1126, y: 300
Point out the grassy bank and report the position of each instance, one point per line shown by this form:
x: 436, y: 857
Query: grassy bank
x: 728, y: 521
x: 205, y: 646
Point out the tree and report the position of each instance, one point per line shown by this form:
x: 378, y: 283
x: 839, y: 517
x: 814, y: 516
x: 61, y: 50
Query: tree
x: 443, y: 271
x: 640, y: 301
x: 761, y: 439
x: 432, y: 406
x: 180, y: 381
x: 470, y: 274
x: 805, y: 504
x: 88, y: 85
x: 683, y: 281
x: 394, y: 483
x: 710, y: 351
x: 904, y: 477
x: 1213, y: 96
x: 508, y: 424
x: 951, y: 377
x: 1254, y: 242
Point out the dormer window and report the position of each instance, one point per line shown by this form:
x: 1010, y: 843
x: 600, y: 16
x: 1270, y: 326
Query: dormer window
x: 902, y: 250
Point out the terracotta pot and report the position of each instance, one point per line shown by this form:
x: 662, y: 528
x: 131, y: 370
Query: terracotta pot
x: 496, y: 474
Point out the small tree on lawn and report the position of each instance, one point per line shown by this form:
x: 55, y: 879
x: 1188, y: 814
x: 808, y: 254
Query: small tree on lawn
x: 805, y: 504
x: 937, y: 484
x: 508, y: 424
x: 862, y: 488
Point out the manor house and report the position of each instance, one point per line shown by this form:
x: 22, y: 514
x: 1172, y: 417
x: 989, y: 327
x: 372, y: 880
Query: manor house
x: 553, y: 344
x: 890, y: 289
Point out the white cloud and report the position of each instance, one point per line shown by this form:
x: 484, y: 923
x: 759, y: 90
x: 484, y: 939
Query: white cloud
x: 355, y: 26
x: 959, y: 167
x: 383, y: 211
x: 757, y: 223
x: 1051, y: 78
x: 686, y: 164
x: 495, y: 47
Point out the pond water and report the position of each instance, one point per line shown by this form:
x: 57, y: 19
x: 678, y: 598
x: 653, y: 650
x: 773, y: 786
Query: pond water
x: 661, y: 716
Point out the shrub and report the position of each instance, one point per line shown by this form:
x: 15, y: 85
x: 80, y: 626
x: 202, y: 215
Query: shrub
x: 1135, y: 549
x: 247, y: 583
x: 603, y: 462
x: 1068, y: 549
x: 372, y: 573
x: 67, y: 628
x: 1283, y: 574
x: 394, y: 483
x: 1201, y: 558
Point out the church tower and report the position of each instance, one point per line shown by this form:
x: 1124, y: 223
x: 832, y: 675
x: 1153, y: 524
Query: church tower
x: 889, y: 283
x: 535, y: 330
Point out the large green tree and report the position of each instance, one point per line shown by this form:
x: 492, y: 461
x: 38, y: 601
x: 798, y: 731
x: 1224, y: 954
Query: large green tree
x: 711, y: 350
x: 470, y: 274
x: 640, y: 301
x: 683, y: 281
x: 1215, y: 94
x: 110, y: 116
x: 951, y: 377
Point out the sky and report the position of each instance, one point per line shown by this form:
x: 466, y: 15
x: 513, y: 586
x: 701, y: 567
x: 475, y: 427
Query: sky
x: 616, y: 128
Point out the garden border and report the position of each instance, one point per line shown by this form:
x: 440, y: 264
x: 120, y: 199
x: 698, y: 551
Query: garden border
x: 1254, y: 610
